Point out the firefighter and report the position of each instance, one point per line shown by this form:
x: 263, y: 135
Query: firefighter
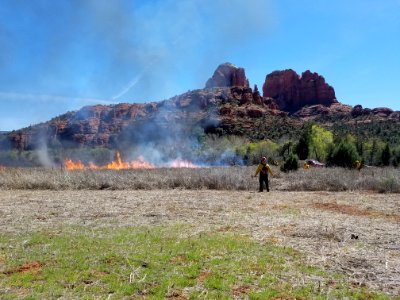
x: 263, y: 168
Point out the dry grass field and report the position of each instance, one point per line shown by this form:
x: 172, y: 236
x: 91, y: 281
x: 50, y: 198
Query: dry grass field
x: 354, y: 232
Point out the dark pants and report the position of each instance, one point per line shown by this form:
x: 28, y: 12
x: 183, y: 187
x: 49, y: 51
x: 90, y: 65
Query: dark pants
x: 263, y: 178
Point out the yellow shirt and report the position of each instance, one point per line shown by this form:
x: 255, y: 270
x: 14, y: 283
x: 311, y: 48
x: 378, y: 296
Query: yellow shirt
x: 261, y: 166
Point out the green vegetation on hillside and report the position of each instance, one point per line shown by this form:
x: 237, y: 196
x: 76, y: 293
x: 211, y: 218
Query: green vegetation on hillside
x: 375, y: 144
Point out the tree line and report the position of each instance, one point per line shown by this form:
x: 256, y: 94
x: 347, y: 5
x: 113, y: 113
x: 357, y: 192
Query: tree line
x: 313, y: 142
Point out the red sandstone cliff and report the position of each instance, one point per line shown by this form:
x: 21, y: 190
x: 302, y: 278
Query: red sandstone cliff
x: 228, y: 75
x: 292, y: 92
x: 227, y: 106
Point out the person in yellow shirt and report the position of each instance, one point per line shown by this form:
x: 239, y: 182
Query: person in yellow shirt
x: 263, y: 169
x: 358, y: 165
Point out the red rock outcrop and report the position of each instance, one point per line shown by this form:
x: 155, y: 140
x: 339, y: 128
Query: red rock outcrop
x: 292, y: 92
x: 257, y: 99
x: 382, y: 111
x: 319, y: 110
x: 228, y: 75
x: 229, y: 107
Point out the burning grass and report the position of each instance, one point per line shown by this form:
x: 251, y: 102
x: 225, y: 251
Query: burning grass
x: 119, y: 164
x: 382, y: 180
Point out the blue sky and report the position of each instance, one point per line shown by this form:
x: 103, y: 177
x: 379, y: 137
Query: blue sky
x: 60, y: 55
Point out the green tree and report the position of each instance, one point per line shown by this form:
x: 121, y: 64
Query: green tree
x: 396, y: 156
x: 360, y: 147
x: 320, y: 141
x: 291, y: 163
x: 373, y: 152
x: 302, y: 147
x: 344, y: 154
x: 385, y: 155
x: 286, y: 149
x: 263, y: 148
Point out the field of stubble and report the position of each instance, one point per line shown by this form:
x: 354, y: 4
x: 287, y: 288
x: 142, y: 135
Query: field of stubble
x: 356, y: 233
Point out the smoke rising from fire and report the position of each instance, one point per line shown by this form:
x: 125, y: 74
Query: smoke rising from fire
x: 125, y: 51
x: 136, y: 51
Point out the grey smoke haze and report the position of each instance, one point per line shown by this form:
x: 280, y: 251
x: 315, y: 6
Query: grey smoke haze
x: 43, y: 156
x: 118, y: 51
x: 96, y: 48
x: 154, y: 44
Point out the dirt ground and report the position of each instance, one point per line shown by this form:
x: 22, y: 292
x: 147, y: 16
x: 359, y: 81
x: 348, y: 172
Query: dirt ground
x: 353, y: 233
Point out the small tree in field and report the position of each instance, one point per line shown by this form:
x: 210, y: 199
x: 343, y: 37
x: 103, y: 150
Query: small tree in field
x: 385, y: 156
x: 291, y: 163
x: 320, y: 141
x: 343, y: 154
x: 302, y: 147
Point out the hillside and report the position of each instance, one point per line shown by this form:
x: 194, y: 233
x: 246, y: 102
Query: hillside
x: 226, y: 106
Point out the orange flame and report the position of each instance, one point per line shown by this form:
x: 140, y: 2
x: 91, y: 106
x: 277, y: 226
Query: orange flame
x: 70, y: 165
x: 179, y: 163
x: 117, y: 164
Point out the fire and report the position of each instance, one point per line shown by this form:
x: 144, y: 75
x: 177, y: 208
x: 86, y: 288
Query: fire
x: 119, y: 164
x: 70, y: 165
x: 179, y: 163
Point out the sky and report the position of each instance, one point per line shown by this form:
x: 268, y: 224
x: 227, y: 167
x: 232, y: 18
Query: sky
x: 58, y: 56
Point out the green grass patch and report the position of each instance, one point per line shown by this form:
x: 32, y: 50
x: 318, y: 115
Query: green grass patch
x: 157, y: 263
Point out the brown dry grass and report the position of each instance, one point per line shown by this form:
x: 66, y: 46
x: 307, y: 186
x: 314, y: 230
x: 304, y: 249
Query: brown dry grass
x: 319, y: 224
x: 382, y: 180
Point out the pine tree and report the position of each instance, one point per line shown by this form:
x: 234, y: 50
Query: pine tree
x: 385, y: 156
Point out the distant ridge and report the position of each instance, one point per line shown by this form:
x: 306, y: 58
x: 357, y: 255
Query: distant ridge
x: 226, y: 106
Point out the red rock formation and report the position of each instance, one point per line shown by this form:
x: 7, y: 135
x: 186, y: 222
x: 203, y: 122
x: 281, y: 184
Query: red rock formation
x: 382, y: 111
x: 255, y: 112
x: 228, y: 75
x: 270, y: 103
x: 257, y: 99
x: 293, y: 92
x: 233, y: 108
x: 357, y: 111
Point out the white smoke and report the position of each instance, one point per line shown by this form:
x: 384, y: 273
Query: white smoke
x: 43, y: 156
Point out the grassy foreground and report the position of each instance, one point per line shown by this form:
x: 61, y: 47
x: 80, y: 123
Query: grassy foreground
x: 169, y: 262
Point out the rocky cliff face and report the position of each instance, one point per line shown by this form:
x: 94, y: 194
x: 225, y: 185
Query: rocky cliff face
x: 292, y: 92
x: 228, y: 75
x: 227, y: 106
x: 119, y: 125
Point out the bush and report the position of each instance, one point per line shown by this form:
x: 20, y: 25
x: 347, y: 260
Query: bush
x: 302, y: 147
x: 291, y: 163
x: 343, y: 155
x: 385, y: 155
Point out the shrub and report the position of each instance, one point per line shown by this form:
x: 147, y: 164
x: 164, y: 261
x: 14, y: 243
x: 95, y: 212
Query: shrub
x: 343, y: 155
x: 291, y: 163
x: 385, y: 155
x: 302, y: 147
